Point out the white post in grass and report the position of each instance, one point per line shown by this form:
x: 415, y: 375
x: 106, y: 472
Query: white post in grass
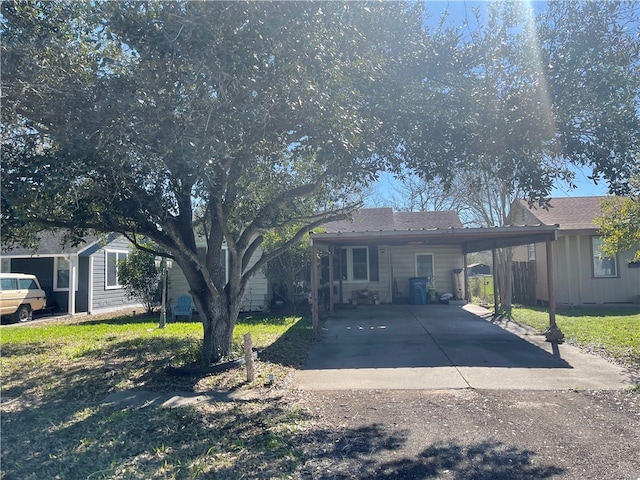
x: 248, y: 357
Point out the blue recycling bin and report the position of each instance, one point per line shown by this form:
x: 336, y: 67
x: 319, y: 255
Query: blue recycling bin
x: 418, y: 290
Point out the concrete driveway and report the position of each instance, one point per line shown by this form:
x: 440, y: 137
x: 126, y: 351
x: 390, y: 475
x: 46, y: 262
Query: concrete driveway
x: 445, y: 347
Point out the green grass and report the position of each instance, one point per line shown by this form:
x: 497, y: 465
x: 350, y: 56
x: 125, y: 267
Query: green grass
x: 481, y: 288
x: 55, y: 377
x: 613, y: 331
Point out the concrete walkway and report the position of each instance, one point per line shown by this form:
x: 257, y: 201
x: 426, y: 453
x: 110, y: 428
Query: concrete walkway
x: 445, y: 347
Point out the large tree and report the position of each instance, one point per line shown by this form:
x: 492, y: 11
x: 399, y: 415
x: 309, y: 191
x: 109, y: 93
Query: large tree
x: 535, y: 95
x: 180, y: 121
x: 590, y: 57
x: 619, y: 221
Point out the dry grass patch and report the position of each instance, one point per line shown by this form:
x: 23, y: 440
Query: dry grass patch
x: 56, y: 375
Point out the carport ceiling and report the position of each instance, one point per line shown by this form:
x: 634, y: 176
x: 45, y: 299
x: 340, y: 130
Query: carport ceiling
x: 471, y: 239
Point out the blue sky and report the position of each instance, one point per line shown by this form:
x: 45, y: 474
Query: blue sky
x: 458, y: 11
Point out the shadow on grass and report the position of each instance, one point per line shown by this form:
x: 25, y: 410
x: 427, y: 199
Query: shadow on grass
x: 126, y: 320
x: 619, y: 311
x: 291, y: 348
x: 92, y: 372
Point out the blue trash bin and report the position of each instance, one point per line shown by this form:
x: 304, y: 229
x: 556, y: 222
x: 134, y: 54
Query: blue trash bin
x: 418, y: 290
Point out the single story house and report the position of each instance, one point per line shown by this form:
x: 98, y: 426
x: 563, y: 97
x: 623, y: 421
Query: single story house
x: 77, y: 279
x: 256, y: 296
x: 379, y: 250
x: 582, y: 275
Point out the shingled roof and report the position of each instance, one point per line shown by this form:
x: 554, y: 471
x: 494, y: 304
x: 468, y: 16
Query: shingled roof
x: 575, y: 213
x: 386, y: 220
x: 50, y: 244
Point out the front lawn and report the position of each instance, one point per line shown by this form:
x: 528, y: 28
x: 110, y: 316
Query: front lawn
x: 55, y: 377
x: 614, y: 332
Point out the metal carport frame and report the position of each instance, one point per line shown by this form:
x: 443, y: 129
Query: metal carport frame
x: 469, y: 239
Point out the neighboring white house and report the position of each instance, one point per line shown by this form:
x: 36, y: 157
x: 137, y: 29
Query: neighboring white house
x: 582, y: 275
x: 255, y: 298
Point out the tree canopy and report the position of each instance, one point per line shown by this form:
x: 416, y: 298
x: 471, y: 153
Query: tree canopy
x: 203, y: 124
x: 194, y: 124
x: 619, y: 223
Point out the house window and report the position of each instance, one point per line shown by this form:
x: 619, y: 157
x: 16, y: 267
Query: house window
x: 603, y: 267
x: 61, y: 268
x: 351, y: 264
x: 360, y: 263
x: 5, y: 265
x: 532, y: 251
x: 424, y: 266
x: 111, y: 268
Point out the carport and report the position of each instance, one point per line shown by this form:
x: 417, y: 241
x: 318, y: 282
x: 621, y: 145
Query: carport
x: 469, y: 240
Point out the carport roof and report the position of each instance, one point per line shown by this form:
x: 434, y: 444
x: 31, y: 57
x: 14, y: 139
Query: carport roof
x: 472, y: 239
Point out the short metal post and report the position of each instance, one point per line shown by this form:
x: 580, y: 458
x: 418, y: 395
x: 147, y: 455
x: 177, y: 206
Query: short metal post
x: 163, y: 309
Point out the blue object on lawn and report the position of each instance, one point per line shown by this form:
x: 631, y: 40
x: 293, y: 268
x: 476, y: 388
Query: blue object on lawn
x: 183, y: 308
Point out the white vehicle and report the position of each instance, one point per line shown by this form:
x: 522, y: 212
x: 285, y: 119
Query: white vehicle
x: 20, y: 296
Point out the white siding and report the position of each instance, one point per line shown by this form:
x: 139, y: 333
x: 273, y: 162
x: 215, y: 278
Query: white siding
x: 253, y: 300
x: 445, y: 259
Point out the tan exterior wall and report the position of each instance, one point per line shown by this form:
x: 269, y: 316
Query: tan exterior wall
x: 445, y: 259
x: 573, y: 275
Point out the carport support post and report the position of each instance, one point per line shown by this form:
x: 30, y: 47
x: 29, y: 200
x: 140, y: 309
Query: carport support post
x: 314, y: 288
x: 553, y: 333
x: 331, y: 308
x: 467, y: 294
x: 496, y: 284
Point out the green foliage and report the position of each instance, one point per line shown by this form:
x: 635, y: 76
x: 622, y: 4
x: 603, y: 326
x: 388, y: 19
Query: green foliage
x: 246, y: 116
x: 289, y: 272
x: 619, y: 222
x: 481, y: 288
x: 139, y: 277
x: 590, y: 55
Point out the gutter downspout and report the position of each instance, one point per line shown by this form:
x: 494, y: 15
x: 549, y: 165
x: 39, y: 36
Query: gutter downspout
x: 73, y: 271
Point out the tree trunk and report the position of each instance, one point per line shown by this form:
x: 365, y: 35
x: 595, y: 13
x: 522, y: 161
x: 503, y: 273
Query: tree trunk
x: 505, y: 275
x: 218, y: 319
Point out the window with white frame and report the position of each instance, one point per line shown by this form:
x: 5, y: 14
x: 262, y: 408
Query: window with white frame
x: 603, y: 266
x: 111, y: 267
x: 532, y: 251
x: 351, y: 264
x: 61, y: 269
x: 424, y: 266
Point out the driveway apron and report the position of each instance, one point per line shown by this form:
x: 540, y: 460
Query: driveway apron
x: 444, y: 347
